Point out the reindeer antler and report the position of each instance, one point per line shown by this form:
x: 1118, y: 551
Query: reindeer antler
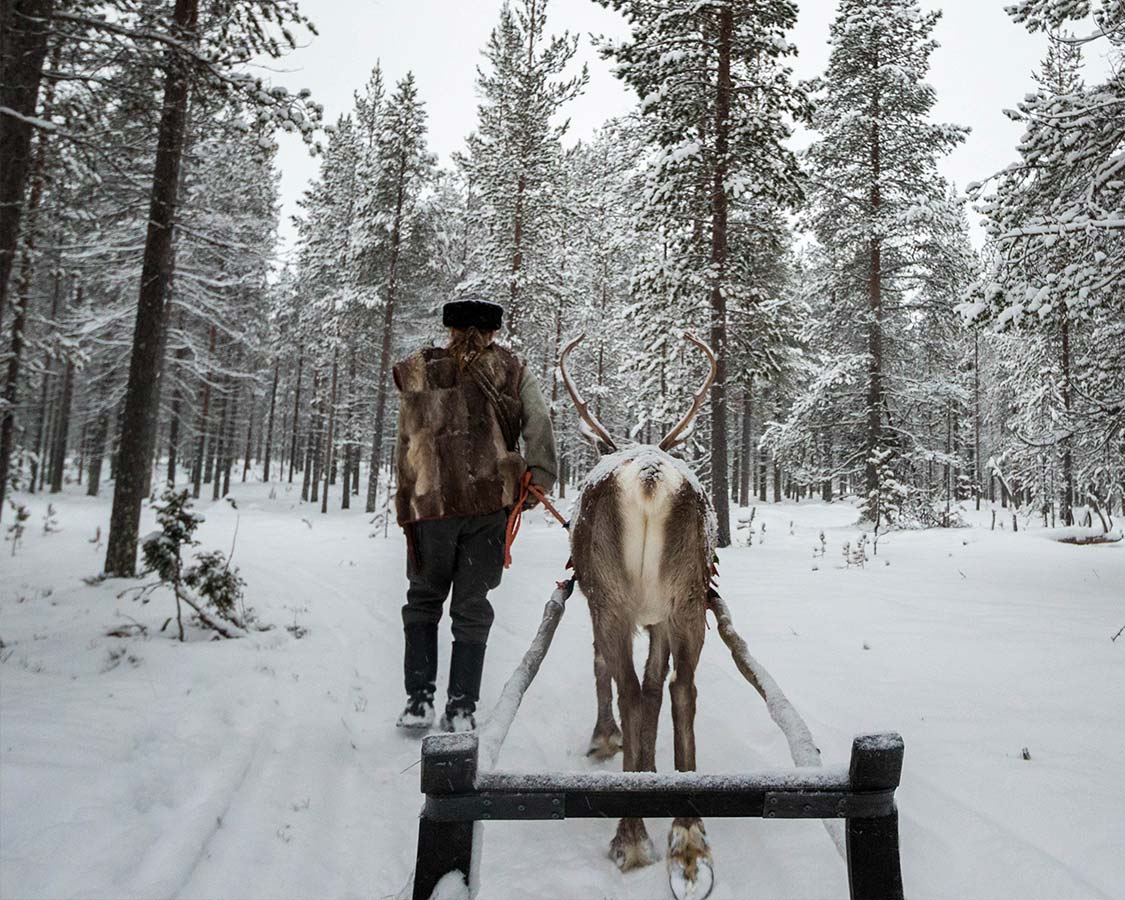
x: 594, y: 430
x: 673, y: 437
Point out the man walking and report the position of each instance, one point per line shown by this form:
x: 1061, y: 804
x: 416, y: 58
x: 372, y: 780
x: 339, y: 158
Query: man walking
x: 472, y: 421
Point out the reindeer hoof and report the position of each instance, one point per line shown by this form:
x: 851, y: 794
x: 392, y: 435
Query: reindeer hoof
x: 691, y: 875
x: 632, y: 851
x: 605, y: 745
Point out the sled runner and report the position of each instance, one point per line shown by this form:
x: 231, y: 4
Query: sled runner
x: 463, y: 791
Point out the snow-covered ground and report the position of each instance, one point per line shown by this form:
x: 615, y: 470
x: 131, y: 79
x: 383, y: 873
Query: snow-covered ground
x: 269, y: 767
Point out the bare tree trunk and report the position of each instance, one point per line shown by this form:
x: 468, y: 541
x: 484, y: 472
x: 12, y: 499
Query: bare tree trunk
x: 135, y: 453
x: 24, y: 26
x: 228, y: 443
x: 747, y: 451
x: 97, y: 454
x: 329, y: 449
x: 876, y: 391
x: 307, y: 487
x: 318, y: 452
x: 62, y: 429
x: 203, y: 421
x: 215, y: 457
x: 1067, y: 442
x: 41, y: 462
x: 249, y: 449
x: 269, y: 425
x: 947, y: 472
x: 174, y: 423
x: 347, y: 445
x: 296, y: 414
x: 977, y: 470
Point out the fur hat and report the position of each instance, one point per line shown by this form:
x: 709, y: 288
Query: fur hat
x: 472, y: 314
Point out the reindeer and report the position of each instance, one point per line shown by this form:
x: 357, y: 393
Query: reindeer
x: 642, y: 543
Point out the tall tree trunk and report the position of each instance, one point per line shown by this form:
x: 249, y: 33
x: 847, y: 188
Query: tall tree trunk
x: 947, y: 470
x: 24, y: 27
x: 174, y: 421
x: 385, y: 349
x: 135, y: 453
x: 228, y: 443
x: 720, y: 493
x: 1067, y: 442
x: 747, y: 450
x: 269, y: 425
x: 347, y: 446
x: 329, y: 449
x: 249, y: 438
x: 204, y: 422
x: 977, y: 469
x: 62, y: 429
x: 296, y: 414
x: 97, y: 454
x: 317, y: 451
x: 215, y: 457
x: 307, y: 474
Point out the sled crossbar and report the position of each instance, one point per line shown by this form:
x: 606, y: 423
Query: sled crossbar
x: 457, y: 798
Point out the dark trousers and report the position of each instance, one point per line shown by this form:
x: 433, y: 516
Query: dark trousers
x: 464, y: 553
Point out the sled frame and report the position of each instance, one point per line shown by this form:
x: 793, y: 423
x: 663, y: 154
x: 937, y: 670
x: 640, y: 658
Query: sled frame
x: 459, y: 800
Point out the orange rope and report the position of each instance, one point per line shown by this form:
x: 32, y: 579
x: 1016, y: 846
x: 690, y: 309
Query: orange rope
x: 516, y: 515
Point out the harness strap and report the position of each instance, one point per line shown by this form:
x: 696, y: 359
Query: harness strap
x: 516, y: 516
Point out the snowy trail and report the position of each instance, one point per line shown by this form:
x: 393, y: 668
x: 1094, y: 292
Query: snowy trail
x: 269, y: 767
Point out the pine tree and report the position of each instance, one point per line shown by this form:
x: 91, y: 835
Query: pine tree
x: 405, y: 171
x: 514, y: 162
x: 876, y: 196
x: 720, y: 103
x: 1054, y: 280
x: 242, y: 33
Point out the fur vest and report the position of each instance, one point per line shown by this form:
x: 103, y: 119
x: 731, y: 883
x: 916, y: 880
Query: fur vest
x: 454, y: 458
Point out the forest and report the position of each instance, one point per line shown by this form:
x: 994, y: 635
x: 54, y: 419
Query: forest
x: 155, y: 333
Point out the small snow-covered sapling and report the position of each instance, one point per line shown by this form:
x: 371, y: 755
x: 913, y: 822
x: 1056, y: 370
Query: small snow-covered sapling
x: 17, y: 528
x: 50, y: 522
x: 212, y: 587
x: 856, y: 556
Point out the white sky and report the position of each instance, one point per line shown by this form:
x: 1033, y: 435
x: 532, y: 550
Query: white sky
x: 983, y: 66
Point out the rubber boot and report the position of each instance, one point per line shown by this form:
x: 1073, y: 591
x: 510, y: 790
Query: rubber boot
x: 419, y: 675
x: 465, y: 668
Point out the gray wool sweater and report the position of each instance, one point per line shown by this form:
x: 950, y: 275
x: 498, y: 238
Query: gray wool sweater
x: 537, y: 436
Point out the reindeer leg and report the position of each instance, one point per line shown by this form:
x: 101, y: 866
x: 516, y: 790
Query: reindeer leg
x: 652, y: 694
x: 605, y: 742
x: 631, y: 847
x: 690, y: 872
